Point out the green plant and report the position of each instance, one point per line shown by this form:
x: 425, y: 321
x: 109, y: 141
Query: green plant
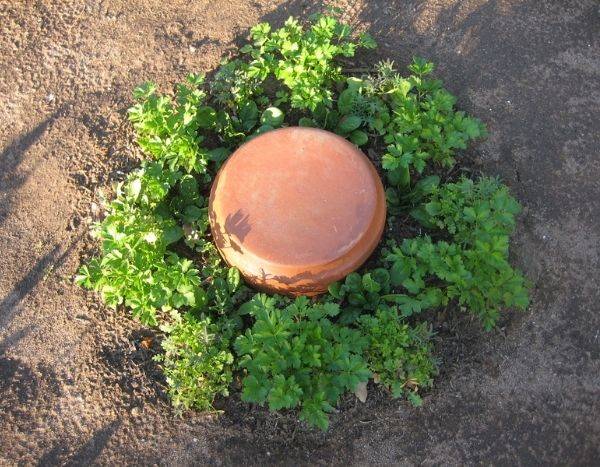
x: 398, y: 355
x: 423, y: 124
x: 359, y: 110
x: 475, y: 269
x: 367, y: 292
x: 232, y: 86
x: 273, y: 117
x: 136, y: 269
x: 297, y: 357
x: 470, y: 211
x: 197, y: 361
x: 426, y: 111
x: 170, y: 131
x: 302, y: 60
x: 360, y: 293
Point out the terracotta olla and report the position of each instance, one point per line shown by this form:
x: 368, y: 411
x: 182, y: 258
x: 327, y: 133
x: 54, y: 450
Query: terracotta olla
x: 296, y: 209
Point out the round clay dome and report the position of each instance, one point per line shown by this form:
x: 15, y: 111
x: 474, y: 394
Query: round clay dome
x: 297, y: 209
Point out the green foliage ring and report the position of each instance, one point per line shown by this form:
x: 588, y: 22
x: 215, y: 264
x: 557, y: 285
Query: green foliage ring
x: 299, y: 353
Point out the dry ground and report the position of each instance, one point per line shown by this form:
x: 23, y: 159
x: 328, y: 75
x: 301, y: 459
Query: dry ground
x: 75, y: 385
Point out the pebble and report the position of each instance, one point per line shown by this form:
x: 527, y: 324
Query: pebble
x: 95, y: 209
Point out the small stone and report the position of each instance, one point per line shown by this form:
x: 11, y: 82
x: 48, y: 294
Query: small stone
x: 361, y: 391
x: 50, y: 98
x: 136, y: 411
x: 95, y: 209
x: 192, y: 49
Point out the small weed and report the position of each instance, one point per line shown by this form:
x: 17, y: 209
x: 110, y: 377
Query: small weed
x: 298, y: 357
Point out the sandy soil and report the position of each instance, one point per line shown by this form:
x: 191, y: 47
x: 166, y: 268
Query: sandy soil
x: 76, y: 387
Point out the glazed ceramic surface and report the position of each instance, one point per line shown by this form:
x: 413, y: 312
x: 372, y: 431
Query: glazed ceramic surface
x: 296, y: 209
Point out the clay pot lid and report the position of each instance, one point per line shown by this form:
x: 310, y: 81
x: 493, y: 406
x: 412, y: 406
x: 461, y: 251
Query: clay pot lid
x: 296, y: 209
